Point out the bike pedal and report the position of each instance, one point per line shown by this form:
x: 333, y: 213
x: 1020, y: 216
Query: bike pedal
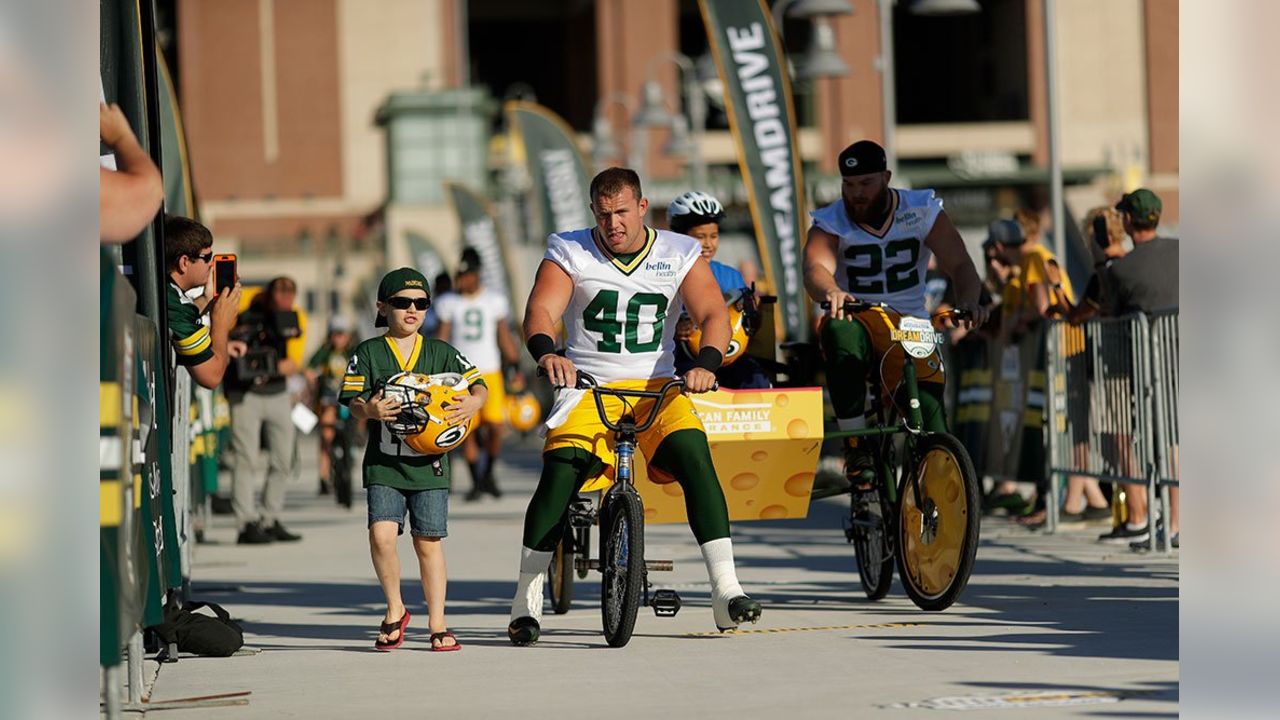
x: 666, y: 603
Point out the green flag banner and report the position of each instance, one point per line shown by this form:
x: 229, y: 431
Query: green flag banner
x: 480, y: 231
x: 556, y: 167
x: 425, y: 257
x: 762, y: 120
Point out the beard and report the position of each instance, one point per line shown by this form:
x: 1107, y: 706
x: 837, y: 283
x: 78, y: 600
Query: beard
x: 872, y: 211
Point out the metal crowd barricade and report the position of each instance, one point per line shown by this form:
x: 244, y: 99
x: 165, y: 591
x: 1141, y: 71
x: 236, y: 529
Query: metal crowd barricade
x: 1099, y: 410
x: 1164, y: 384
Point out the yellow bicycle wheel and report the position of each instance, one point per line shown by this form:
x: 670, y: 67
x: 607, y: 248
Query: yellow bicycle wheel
x: 938, y: 532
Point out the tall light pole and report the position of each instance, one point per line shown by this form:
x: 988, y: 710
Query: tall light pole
x: 888, y: 90
x: 1055, y: 132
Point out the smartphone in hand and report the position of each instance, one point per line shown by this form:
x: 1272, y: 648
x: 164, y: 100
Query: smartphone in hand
x: 224, y: 272
x: 1100, y: 236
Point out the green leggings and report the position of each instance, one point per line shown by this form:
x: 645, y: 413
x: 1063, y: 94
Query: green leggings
x: 846, y: 347
x: 684, y: 454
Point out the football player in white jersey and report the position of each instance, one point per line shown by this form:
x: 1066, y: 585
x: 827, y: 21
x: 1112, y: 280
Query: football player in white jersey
x: 474, y: 319
x: 619, y: 288
x: 874, y: 244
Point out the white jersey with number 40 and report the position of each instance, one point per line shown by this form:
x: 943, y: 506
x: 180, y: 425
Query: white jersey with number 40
x: 473, y: 325
x: 886, y: 264
x: 621, y: 322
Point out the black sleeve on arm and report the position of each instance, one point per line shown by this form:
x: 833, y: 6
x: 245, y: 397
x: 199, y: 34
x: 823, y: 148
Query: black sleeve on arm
x: 539, y: 345
x: 709, y: 359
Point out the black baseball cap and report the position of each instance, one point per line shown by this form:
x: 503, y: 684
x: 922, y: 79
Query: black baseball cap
x: 470, y: 261
x: 405, y: 278
x: 862, y: 158
x: 1006, y: 232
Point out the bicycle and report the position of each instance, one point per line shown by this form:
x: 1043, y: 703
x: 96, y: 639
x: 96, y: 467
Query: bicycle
x: 341, y: 461
x: 929, y: 520
x: 624, y: 584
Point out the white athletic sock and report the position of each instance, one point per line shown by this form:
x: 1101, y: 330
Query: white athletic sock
x: 533, y: 570
x: 718, y: 555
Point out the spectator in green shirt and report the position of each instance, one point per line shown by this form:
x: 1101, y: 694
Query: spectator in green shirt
x: 201, y: 348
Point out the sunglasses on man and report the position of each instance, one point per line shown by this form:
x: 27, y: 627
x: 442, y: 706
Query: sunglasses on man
x: 403, y: 303
x: 204, y: 258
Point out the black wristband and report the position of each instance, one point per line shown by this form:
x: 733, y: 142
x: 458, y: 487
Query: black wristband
x: 709, y: 359
x: 539, y: 345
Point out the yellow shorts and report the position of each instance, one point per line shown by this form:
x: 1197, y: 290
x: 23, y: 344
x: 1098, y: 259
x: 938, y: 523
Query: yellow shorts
x: 879, y: 324
x: 494, y: 411
x: 583, y: 428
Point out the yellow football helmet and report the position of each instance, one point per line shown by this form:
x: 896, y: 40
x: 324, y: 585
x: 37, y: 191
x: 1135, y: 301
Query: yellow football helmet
x: 524, y: 412
x: 737, y: 336
x: 424, y: 400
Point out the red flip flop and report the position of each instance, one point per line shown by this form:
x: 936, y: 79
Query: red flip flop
x: 388, y: 628
x: 444, y: 648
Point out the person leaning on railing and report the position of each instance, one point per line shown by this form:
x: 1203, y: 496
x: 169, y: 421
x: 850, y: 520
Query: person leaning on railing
x: 1145, y: 280
x: 202, y: 349
x: 1030, y: 297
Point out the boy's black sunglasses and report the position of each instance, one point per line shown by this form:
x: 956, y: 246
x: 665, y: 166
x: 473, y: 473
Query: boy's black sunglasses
x: 403, y: 303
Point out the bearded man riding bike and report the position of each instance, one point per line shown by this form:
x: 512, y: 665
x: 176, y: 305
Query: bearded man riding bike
x: 874, y: 244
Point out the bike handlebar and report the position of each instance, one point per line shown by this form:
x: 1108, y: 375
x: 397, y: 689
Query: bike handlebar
x: 588, y: 382
x: 857, y: 306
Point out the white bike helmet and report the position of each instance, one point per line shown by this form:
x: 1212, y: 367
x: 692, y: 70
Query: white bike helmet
x: 693, y: 209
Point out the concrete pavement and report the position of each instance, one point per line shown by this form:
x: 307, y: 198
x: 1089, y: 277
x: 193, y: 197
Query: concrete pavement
x: 1049, y: 627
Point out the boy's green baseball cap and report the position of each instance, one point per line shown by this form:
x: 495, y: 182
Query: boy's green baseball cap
x: 405, y: 278
x: 1142, y: 204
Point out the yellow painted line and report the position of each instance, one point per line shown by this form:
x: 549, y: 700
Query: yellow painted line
x: 820, y: 628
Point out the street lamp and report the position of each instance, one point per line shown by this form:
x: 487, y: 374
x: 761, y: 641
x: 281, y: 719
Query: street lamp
x: 821, y: 59
x: 653, y: 112
x: 604, y: 146
x: 945, y: 7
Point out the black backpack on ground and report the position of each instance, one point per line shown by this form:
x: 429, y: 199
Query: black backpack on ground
x: 200, y: 634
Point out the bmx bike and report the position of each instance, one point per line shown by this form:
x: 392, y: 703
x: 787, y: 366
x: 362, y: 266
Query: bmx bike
x: 624, y: 583
x: 924, y: 508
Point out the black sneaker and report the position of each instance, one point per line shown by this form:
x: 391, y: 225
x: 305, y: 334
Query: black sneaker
x: 1088, y: 514
x: 859, y: 467
x: 523, y: 631
x: 1122, y: 535
x: 1097, y: 513
x: 474, y: 494
x: 278, y: 532
x: 253, y: 534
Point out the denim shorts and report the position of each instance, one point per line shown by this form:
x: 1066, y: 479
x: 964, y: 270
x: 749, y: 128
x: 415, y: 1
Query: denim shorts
x: 428, y: 509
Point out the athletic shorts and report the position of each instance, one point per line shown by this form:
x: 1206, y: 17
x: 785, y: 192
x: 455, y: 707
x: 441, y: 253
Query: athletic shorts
x: 886, y: 354
x: 583, y: 428
x: 494, y: 411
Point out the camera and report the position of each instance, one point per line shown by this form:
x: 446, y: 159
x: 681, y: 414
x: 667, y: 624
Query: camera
x: 266, y: 334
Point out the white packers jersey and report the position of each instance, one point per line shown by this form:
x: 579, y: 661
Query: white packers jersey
x: 473, y: 325
x: 621, y: 322
x: 888, y: 266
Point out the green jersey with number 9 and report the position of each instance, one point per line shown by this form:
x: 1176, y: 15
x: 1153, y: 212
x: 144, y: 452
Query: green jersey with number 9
x: 886, y: 264
x: 621, y: 322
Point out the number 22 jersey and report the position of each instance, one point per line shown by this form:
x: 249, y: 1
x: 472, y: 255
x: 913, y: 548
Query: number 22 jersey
x: 886, y: 264
x: 621, y: 321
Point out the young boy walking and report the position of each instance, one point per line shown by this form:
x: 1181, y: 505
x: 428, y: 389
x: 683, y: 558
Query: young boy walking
x: 399, y: 478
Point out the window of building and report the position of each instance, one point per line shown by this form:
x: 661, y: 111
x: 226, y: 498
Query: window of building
x: 965, y: 68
